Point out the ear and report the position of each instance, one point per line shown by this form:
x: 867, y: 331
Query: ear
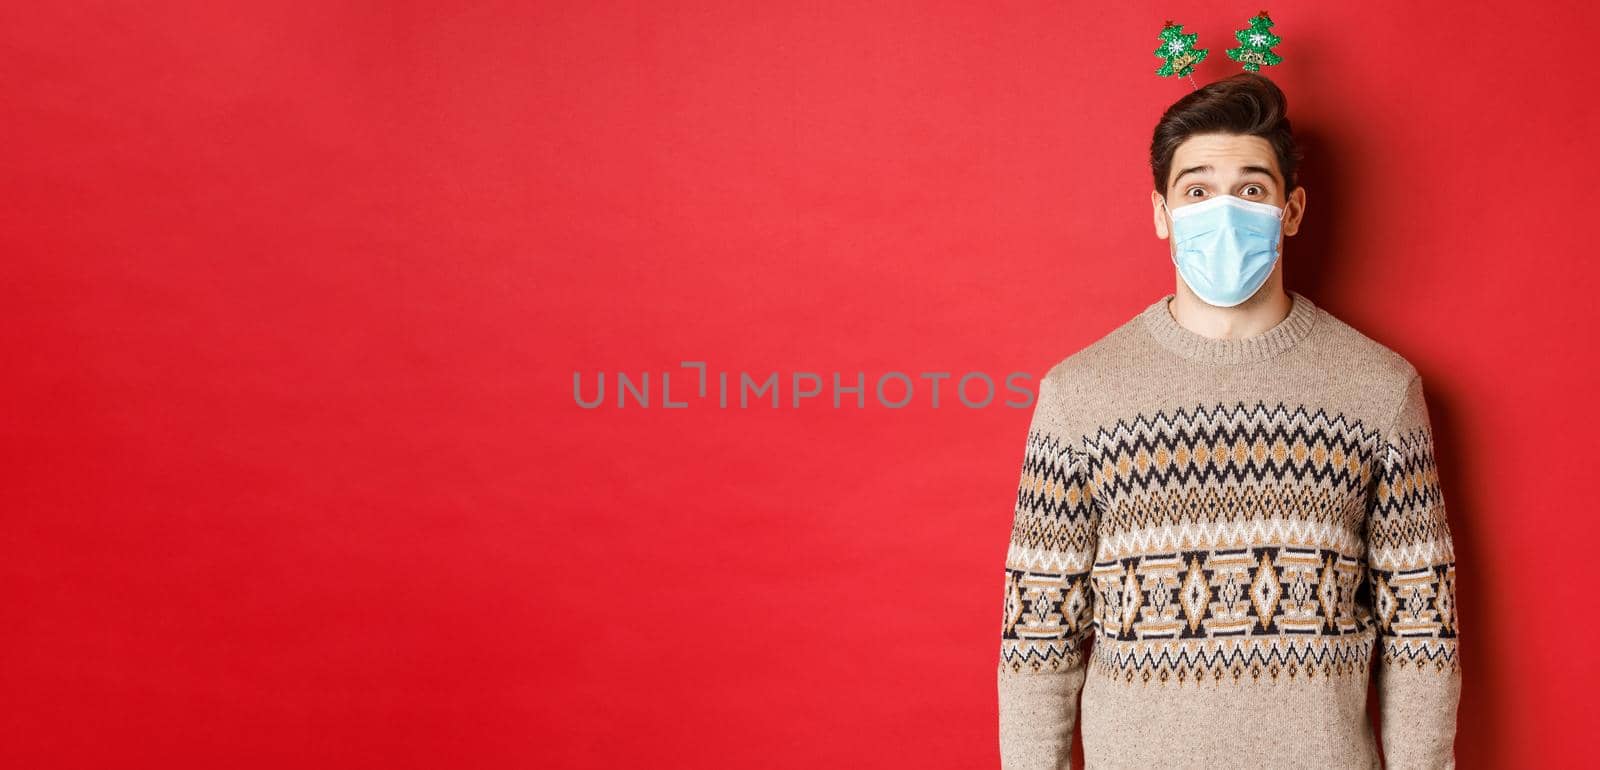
x: 1162, y: 231
x: 1295, y: 209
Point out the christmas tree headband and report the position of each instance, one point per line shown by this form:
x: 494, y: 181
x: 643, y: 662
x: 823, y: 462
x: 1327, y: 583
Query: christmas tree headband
x: 1179, y: 55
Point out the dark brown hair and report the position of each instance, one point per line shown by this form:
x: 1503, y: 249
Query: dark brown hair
x: 1247, y: 103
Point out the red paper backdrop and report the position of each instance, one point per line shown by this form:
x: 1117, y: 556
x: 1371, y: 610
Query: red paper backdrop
x: 294, y: 297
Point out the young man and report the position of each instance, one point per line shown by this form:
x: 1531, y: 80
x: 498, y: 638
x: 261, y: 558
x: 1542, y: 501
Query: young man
x: 1234, y: 494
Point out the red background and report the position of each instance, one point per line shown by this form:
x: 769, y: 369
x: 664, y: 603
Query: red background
x: 294, y: 297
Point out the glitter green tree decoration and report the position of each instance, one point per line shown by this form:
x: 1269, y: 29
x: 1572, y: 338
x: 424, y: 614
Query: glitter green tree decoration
x: 1255, y: 44
x: 1178, y: 51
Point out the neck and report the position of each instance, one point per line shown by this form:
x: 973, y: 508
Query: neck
x: 1264, y: 310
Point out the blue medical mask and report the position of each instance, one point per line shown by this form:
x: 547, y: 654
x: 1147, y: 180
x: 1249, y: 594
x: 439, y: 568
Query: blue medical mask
x: 1225, y: 246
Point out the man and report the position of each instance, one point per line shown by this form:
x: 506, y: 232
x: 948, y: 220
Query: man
x: 1234, y: 495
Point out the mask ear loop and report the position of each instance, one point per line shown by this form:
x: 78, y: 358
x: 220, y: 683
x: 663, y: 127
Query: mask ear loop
x: 1283, y: 214
x: 1172, y: 230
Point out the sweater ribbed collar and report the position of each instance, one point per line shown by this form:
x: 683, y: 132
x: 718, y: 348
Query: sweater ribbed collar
x: 1257, y: 347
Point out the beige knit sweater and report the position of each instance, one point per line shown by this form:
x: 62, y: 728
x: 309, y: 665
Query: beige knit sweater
x: 1236, y: 524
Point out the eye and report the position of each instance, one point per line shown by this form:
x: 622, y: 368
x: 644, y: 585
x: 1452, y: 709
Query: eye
x: 1259, y: 190
x: 1190, y: 193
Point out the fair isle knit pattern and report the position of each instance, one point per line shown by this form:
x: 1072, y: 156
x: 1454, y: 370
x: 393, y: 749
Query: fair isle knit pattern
x: 1245, y: 529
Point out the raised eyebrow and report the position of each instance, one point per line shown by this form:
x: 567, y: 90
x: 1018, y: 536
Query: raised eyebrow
x: 1261, y: 170
x: 1190, y: 170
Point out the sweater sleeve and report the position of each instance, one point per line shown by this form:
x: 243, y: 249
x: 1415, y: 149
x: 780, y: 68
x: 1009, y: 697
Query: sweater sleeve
x: 1048, y: 606
x: 1411, y: 574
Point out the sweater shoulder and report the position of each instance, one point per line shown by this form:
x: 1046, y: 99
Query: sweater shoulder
x: 1348, y: 347
x: 1114, y: 347
x: 1080, y: 379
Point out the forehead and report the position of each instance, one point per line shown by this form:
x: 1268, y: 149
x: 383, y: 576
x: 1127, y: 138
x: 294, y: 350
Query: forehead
x: 1227, y: 153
